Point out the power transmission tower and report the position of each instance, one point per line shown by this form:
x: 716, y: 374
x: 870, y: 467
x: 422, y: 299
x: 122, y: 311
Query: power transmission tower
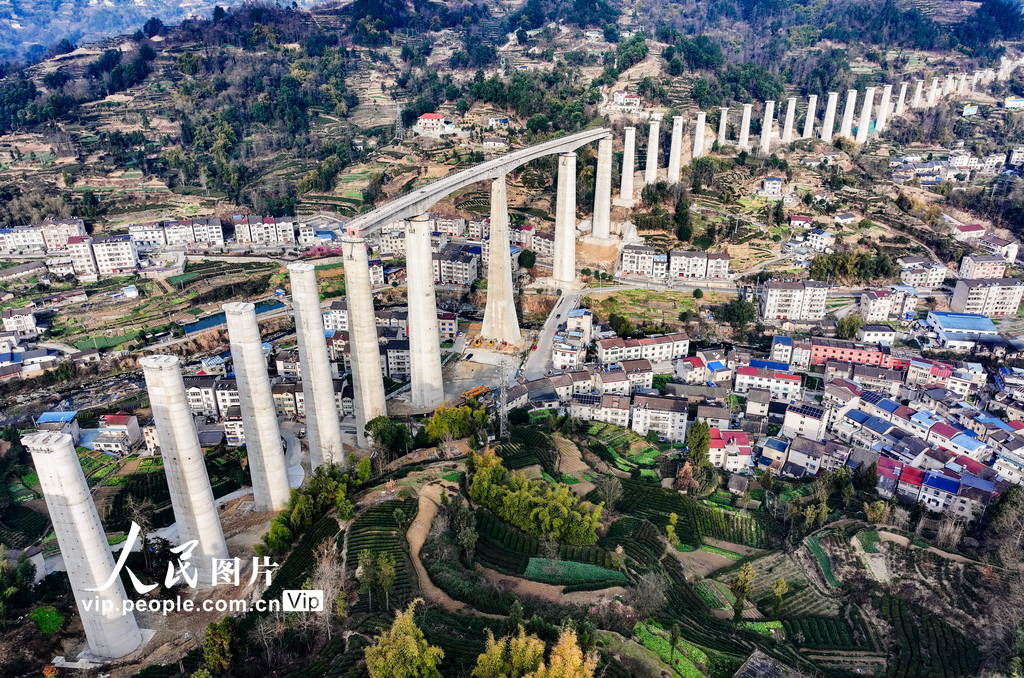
x: 399, y: 125
x: 503, y: 401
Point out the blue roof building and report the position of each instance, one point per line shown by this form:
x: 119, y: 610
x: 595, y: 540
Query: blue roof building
x: 56, y: 417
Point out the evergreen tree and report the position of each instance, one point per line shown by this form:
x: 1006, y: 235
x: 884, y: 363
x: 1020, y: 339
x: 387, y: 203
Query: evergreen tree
x: 402, y: 651
x: 741, y: 588
x: 698, y: 440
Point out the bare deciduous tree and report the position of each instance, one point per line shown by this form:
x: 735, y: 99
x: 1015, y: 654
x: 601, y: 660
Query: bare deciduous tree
x: 648, y: 596
x: 328, y: 576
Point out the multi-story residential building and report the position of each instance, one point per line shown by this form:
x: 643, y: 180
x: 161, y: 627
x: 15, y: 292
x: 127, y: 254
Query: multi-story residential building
x: 454, y: 227
x: 543, y: 244
x: 456, y: 267
x: 201, y: 395
x: 580, y: 323
x: 965, y: 232
x: 94, y: 258
x: 730, y: 450
x: 688, y: 265
x: 805, y: 420
x: 336, y: 316
x: 148, y: 236
x: 643, y: 261
x: 21, y: 321
x: 921, y: 273
x: 993, y: 244
x: 715, y: 416
x: 996, y: 297
x: 228, y: 400
x: 783, y: 385
x: 938, y: 491
x: 264, y: 230
x: 896, y: 302
x: 610, y: 409
x: 925, y: 372
x: 115, y: 255
x: 655, y: 348
x: 819, y: 239
x: 877, y: 334
x: 663, y: 414
x: 639, y: 372
x: 613, y: 381
x: 56, y: 232
x: 982, y: 266
x: 207, y: 231
x: 478, y: 228
x: 783, y: 301
x: 567, y: 356
x: 50, y: 235
x: 795, y: 353
x: 434, y: 125
x: 392, y: 243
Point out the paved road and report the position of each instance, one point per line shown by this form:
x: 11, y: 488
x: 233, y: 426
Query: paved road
x: 539, y: 361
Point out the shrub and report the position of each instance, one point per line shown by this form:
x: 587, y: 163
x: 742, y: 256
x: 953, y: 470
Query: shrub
x: 47, y: 619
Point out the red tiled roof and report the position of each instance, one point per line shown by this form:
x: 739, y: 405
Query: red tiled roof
x: 969, y: 464
x: 912, y: 476
x: 115, y: 419
x: 431, y: 116
x: 945, y: 430
x: 889, y: 468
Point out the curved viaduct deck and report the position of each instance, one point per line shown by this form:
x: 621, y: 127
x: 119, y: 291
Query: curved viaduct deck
x: 421, y: 199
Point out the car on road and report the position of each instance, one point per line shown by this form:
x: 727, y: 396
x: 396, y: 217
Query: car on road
x: 469, y: 356
x: 302, y: 433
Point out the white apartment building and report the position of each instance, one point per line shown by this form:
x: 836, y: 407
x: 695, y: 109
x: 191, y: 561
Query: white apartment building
x: 656, y: 348
x: 643, y: 261
x: 783, y: 301
x: 782, y: 385
x: 148, y: 236
x: 454, y: 227
x: 819, y: 239
x: 662, y: 414
x: 115, y: 255
x: 996, y: 297
x: 456, y: 268
x: 478, y: 228
x: 264, y: 230
x: 894, y: 302
x: 56, y: 232
x: 982, y: 266
x: 921, y: 272
x: 688, y: 265
x: 22, y: 239
x: 993, y: 244
x: 21, y: 321
x: 392, y: 243
x: 95, y: 258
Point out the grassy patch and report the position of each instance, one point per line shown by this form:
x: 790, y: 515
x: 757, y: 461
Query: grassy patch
x: 764, y: 628
x: 564, y: 572
x: 868, y: 541
x: 823, y: 561
x: 721, y: 552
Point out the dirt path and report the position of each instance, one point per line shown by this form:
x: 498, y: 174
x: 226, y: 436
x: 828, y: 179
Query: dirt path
x: 429, y: 500
x: 550, y: 592
x: 903, y: 541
